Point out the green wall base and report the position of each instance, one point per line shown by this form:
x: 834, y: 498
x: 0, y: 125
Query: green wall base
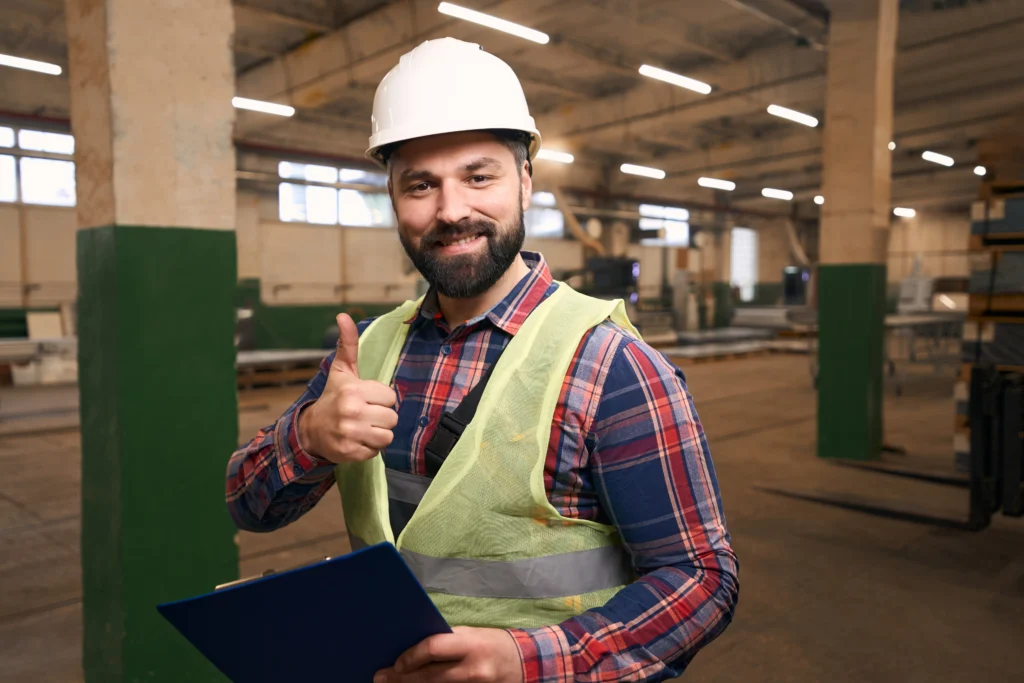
x: 851, y: 315
x: 159, y: 420
x: 295, y: 327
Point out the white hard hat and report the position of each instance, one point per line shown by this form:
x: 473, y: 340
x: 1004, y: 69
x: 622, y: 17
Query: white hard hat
x: 447, y: 86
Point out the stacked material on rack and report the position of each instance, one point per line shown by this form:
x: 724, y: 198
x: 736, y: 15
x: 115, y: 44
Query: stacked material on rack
x: 993, y: 336
x: 997, y: 281
x: 993, y: 343
x: 996, y: 220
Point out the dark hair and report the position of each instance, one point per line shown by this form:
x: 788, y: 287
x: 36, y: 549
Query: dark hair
x: 516, y: 141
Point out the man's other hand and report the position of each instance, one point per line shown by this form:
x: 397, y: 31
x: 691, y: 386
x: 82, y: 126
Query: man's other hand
x: 469, y: 655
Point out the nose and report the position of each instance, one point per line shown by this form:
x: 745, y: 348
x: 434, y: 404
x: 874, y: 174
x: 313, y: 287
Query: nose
x: 452, y: 206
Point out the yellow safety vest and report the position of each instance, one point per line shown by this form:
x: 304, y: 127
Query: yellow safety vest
x: 484, y: 541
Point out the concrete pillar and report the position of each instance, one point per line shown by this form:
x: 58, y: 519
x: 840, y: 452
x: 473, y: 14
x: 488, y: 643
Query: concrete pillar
x: 151, y: 88
x: 854, y: 226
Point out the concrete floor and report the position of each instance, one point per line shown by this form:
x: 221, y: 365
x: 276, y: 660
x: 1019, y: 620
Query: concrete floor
x: 826, y: 595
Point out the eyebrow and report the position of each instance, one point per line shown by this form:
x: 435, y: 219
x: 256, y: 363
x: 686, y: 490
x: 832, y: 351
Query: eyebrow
x: 482, y: 162
x: 411, y: 174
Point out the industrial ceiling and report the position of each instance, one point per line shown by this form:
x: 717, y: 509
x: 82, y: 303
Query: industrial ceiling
x: 958, y: 78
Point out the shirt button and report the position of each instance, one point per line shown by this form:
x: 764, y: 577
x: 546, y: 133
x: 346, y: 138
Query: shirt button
x: 423, y: 421
x: 446, y: 349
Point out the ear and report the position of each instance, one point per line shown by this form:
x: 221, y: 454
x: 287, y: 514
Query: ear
x: 527, y: 181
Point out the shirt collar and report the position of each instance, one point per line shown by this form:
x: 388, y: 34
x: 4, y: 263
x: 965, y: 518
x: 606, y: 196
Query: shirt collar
x: 509, y: 313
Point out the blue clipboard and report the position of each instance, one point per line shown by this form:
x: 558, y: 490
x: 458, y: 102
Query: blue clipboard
x: 342, y: 619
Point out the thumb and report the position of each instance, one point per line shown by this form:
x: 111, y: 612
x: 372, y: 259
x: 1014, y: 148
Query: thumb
x: 346, y: 358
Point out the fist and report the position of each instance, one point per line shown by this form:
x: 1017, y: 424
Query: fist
x: 353, y: 418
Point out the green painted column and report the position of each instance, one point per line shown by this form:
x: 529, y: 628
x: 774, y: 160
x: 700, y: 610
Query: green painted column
x: 851, y: 311
x: 156, y: 274
x: 856, y: 183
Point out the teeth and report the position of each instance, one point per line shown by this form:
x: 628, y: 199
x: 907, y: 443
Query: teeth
x: 464, y: 240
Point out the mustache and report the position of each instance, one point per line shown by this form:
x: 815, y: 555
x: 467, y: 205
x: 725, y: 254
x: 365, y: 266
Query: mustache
x: 449, y: 231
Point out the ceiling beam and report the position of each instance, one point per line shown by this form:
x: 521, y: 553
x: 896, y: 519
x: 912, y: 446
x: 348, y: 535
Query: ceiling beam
x: 279, y: 18
x: 681, y: 34
x: 815, y: 38
x: 361, y: 50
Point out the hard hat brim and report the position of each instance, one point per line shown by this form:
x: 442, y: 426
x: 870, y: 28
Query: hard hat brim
x: 384, y: 141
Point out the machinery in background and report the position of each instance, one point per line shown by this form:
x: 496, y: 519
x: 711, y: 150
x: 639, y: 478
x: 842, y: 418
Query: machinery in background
x: 790, y: 313
x: 924, y: 294
x: 608, y: 277
x: 795, y: 285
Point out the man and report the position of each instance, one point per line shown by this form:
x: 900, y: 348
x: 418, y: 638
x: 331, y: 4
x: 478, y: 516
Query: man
x: 574, y: 530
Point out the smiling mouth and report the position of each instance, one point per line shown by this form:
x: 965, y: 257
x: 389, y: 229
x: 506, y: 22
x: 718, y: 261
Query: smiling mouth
x: 457, y: 242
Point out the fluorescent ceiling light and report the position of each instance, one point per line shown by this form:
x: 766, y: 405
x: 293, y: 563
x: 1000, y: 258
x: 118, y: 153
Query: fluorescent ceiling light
x: 551, y: 155
x: 30, y: 65
x: 819, y: 200
x: 980, y: 170
x: 777, y: 194
x: 937, y: 158
x: 792, y: 115
x: 892, y: 146
x: 903, y: 212
x: 492, y: 22
x: 675, y: 79
x: 265, y: 107
x: 717, y: 184
x: 645, y: 171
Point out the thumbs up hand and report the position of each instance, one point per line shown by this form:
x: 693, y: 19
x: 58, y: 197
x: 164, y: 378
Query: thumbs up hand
x: 353, y: 418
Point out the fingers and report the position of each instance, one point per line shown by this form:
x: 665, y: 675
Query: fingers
x: 377, y: 438
x: 377, y: 393
x: 346, y: 358
x: 446, y: 647
x: 379, y: 416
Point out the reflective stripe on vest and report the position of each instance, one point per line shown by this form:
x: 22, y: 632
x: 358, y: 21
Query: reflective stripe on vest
x: 405, y: 491
x: 551, y: 576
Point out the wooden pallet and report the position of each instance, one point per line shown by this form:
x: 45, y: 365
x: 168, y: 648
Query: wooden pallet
x: 1006, y: 240
x: 994, y: 318
x: 712, y: 358
x: 274, y: 377
x: 965, y: 370
x: 988, y: 305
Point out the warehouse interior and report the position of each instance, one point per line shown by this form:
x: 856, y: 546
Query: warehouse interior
x: 814, y: 208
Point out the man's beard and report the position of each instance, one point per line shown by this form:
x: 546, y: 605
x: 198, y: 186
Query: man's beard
x: 464, y: 276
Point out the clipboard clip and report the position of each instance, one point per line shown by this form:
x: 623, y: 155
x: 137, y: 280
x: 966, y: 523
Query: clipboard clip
x: 266, y: 573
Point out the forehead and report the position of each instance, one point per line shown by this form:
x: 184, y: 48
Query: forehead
x: 450, y: 151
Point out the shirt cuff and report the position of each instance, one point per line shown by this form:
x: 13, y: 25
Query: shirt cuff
x: 545, y: 654
x: 307, y: 468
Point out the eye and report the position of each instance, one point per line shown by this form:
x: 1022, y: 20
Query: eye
x: 419, y: 187
x: 479, y: 179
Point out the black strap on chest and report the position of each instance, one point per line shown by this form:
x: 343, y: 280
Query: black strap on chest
x: 453, y: 424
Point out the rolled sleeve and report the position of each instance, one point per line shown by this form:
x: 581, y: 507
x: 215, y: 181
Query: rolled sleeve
x: 545, y: 654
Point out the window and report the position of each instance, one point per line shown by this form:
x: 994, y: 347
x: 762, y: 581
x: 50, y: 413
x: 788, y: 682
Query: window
x: 311, y: 172
x: 365, y: 209
x: 542, y: 219
x: 311, y: 203
x: 8, y: 179
x: 670, y: 222
x: 743, y: 261
x: 40, y: 141
x: 35, y: 180
x: 351, y: 175
x: 307, y: 204
x: 47, y: 181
